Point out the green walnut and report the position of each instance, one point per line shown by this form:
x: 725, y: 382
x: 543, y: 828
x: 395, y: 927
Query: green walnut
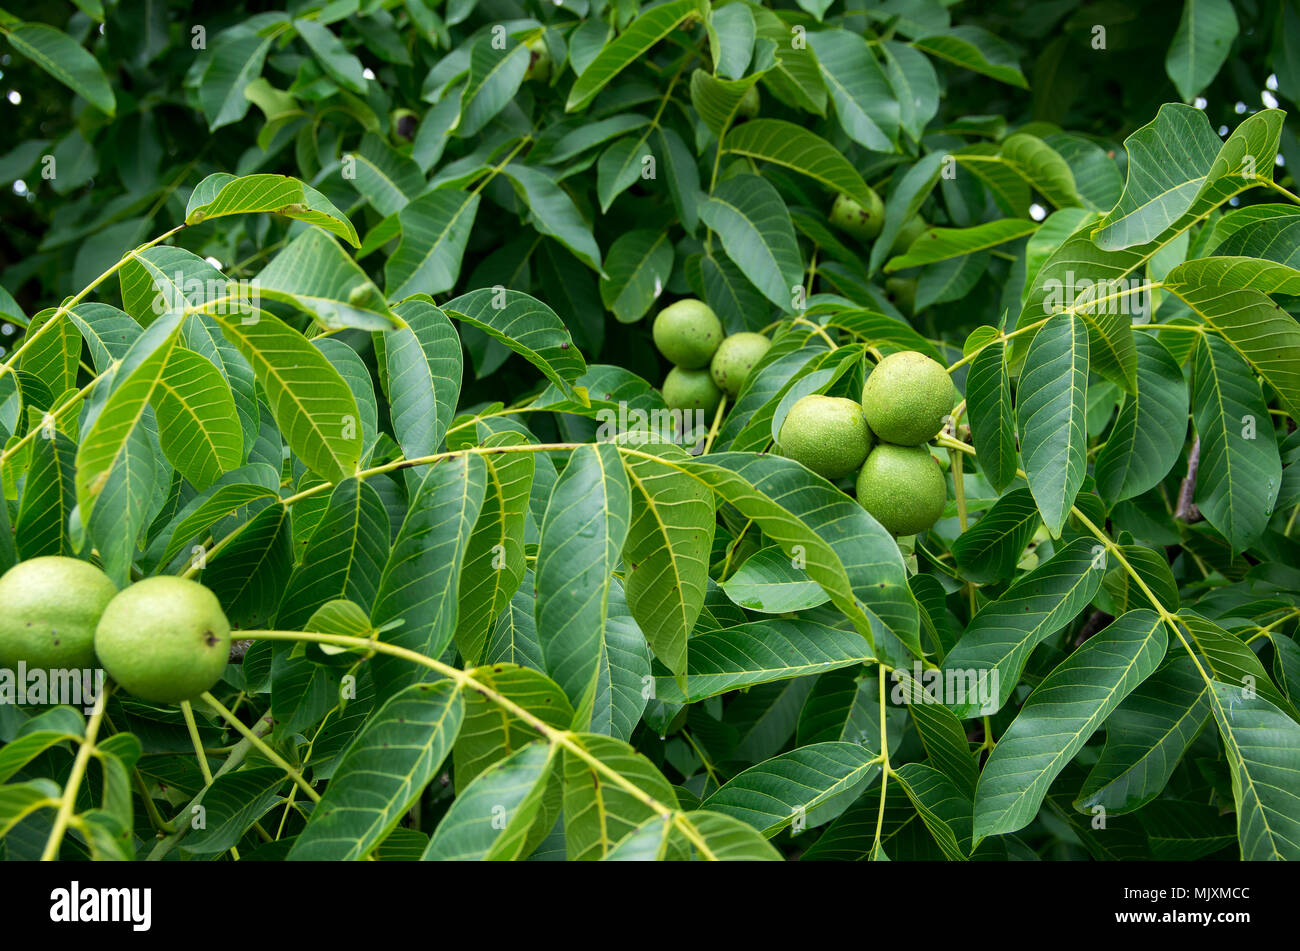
x: 912, y: 229
x: 861, y: 223
x: 907, y: 397
x: 688, y: 333
x: 736, y: 356
x: 903, y: 488
x: 902, y: 292
x: 691, y: 389
x: 164, y: 639
x: 539, y: 60
x: 749, y: 103
x: 828, y: 434
x: 49, y: 607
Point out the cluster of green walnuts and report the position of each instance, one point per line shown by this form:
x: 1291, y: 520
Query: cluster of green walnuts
x: 905, y: 402
x: 706, y: 362
x: 163, y: 639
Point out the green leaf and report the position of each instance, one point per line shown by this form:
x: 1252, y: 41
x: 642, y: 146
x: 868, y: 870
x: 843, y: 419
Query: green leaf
x: 597, y: 812
x: 1146, y: 736
x: 491, y: 733
x: 845, y: 550
x: 209, y: 508
x: 498, y: 816
x: 723, y: 838
x: 1224, y: 274
x: 990, y: 549
x: 666, y: 553
x: 340, y: 65
x: 494, y: 561
x: 1263, y: 749
x: 903, y: 202
x: 1265, y: 336
x: 231, y: 805
x: 382, y: 773
x: 1060, y: 716
x: 106, y: 443
x: 1240, y: 470
x: 52, y: 356
x: 313, y: 407
x: 435, y: 230
x: 1231, y: 661
x: 107, y: 331
x: 25, y: 748
x: 794, y: 78
x: 620, y: 167
x: 249, y: 573
x: 587, y: 135
x: 1050, y: 406
x: 769, y: 584
x: 1170, y: 159
x: 875, y: 328
x: 754, y: 225
x: 48, y: 497
x: 423, y: 364
x: 731, y: 39
x: 945, y: 810
x: 794, y: 147
x: 1201, y: 44
x: 864, y: 102
x: 623, y: 678
x: 940, y: 244
x: 1149, y: 432
x: 985, y: 665
x: 384, y: 177
x: 495, y: 75
x: 1184, y: 831
x: 581, y: 539
x: 236, y: 59
x: 421, y: 579
x: 526, y: 326
x: 810, y: 786
x: 552, y: 212
x: 1153, y: 568
x: 949, y: 280
x: 718, y: 100
x: 19, y: 800
x: 637, y: 268
x: 630, y: 45
x: 343, y: 558
x: 941, y: 733
x: 221, y: 194
x: 761, y: 652
x: 1042, y: 167
x: 317, y: 276
x: 66, y: 60
x: 976, y: 49
x: 198, y: 427
x: 992, y: 422
x: 915, y: 85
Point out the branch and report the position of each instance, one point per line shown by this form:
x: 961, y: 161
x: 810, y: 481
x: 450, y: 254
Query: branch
x: 1186, y: 508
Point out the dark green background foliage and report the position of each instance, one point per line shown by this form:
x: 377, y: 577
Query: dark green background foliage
x: 523, y: 641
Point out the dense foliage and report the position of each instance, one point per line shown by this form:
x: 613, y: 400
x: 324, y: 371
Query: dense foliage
x: 344, y: 310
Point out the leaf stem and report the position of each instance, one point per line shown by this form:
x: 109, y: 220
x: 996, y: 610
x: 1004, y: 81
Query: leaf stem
x: 68, y: 802
x: 885, y: 768
x: 260, y: 745
x: 67, y: 305
x: 564, y: 738
x: 187, y: 712
x: 717, y: 422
